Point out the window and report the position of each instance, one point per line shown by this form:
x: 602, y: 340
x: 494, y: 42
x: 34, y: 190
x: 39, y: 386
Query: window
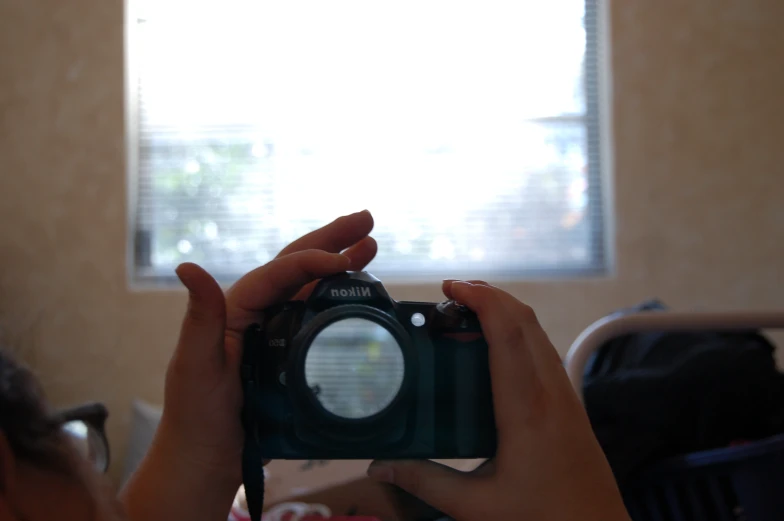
x: 469, y: 129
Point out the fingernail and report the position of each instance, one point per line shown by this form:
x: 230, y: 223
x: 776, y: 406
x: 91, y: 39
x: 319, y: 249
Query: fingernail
x: 462, y: 283
x: 380, y: 473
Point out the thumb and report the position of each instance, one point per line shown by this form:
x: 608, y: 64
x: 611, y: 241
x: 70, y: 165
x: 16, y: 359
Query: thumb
x: 201, y: 335
x: 444, y: 488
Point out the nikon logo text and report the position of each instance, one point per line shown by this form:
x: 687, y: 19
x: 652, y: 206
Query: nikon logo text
x: 354, y: 291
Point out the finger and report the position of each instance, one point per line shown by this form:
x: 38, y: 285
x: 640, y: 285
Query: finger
x: 336, y: 236
x: 548, y: 360
x: 452, y: 492
x: 201, y: 334
x: 446, y: 286
x: 518, y: 390
x: 486, y: 468
x: 360, y: 255
x: 276, y: 281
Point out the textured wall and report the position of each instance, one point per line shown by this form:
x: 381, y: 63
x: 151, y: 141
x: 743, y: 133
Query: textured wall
x: 699, y: 126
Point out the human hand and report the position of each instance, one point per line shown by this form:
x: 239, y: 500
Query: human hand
x: 200, y: 435
x: 203, y: 392
x: 548, y: 463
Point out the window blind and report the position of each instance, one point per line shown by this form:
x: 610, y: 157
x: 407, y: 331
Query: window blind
x: 469, y: 129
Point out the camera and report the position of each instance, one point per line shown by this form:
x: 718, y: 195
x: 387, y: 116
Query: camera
x: 350, y: 373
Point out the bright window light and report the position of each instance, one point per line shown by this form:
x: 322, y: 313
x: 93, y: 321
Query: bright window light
x: 469, y: 129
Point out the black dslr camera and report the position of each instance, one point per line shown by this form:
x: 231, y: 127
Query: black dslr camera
x: 351, y: 373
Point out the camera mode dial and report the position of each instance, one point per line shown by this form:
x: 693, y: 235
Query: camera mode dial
x: 451, y: 316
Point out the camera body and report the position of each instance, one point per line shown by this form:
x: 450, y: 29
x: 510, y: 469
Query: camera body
x: 350, y: 373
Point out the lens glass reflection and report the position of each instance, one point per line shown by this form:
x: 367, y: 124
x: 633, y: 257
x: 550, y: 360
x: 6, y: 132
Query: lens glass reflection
x: 355, y: 368
x: 88, y: 442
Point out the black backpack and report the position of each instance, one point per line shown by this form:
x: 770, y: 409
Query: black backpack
x: 651, y: 396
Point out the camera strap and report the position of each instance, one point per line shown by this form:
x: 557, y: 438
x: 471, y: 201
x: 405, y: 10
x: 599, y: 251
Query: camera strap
x: 253, y: 478
x: 252, y: 461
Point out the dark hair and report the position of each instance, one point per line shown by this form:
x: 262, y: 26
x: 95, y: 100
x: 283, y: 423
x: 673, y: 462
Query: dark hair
x: 32, y: 433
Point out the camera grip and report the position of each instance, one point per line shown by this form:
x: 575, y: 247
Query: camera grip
x: 465, y: 408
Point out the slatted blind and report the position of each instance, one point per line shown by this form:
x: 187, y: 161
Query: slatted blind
x: 469, y: 129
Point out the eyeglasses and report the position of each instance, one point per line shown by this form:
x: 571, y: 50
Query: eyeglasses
x: 85, y: 426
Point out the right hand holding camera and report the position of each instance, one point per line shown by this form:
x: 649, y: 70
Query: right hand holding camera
x: 548, y: 464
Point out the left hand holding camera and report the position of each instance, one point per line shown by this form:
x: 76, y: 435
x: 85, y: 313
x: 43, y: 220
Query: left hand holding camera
x: 198, y: 445
x: 548, y: 463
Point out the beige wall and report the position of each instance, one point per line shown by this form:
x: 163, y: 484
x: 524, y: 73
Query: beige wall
x: 699, y: 149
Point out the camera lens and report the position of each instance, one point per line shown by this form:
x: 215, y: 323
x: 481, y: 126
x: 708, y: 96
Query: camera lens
x: 355, y: 368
